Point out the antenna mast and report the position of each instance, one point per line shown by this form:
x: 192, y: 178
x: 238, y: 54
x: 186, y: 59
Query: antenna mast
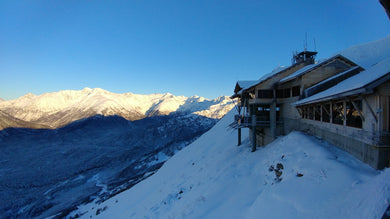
x: 305, y: 41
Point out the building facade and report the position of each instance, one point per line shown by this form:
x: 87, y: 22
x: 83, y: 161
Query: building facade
x: 344, y: 99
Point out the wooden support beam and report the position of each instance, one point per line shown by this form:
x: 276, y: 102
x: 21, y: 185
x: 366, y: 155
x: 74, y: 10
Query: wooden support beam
x: 357, y: 109
x: 338, y: 109
x: 299, y: 111
x: 254, y: 133
x: 239, y: 137
x: 315, y: 110
x: 331, y: 112
x: 369, y: 108
x: 345, y: 112
x: 273, y: 119
x: 324, y: 109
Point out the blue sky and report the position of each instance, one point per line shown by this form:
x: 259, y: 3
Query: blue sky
x: 182, y: 47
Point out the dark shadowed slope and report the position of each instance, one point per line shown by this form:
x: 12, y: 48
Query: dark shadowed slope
x: 46, y: 172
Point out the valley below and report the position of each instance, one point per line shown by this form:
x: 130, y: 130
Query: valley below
x: 49, y: 172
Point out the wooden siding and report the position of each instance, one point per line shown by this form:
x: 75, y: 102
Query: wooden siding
x: 323, y: 73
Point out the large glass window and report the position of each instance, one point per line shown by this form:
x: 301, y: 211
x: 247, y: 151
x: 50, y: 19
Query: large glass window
x: 337, y: 113
x: 266, y: 94
x: 326, y: 113
x: 317, y: 112
x: 283, y: 93
x: 279, y: 93
x: 311, y: 113
x: 353, y: 110
x: 287, y: 93
x: 303, y: 112
x: 263, y: 113
x: 296, y: 91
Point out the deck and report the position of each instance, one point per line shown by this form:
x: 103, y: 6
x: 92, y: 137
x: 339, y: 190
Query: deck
x: 246, y: 121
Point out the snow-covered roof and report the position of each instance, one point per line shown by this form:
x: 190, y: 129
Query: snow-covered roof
x: 368, y: 54
x: 353, y: 85
x: 336, y: 76
x: 298, y: 72
x: 272, y: 73
x: 364, y: 55
x: 245, y: 85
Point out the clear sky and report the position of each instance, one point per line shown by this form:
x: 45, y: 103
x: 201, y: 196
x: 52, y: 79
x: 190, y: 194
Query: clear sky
x: 184, y: 47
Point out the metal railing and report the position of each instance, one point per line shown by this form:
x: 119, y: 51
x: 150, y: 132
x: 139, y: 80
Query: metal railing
x: 246, y: 121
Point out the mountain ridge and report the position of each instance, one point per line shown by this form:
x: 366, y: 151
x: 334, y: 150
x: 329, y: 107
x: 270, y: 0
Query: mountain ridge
x: 56, y: 109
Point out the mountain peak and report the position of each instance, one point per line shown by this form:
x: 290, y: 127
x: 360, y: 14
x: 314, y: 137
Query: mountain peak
x: 94, y: 90
x: 29, y: 96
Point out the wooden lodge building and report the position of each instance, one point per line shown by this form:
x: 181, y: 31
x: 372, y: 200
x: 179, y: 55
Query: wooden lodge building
x: 344, y: 99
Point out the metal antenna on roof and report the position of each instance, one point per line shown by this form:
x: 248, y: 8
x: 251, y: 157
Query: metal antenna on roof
x: 305, y: 41
x: 315, y: 46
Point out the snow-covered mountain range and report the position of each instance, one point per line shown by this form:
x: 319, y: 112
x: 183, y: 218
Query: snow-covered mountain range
x: 54, y: 110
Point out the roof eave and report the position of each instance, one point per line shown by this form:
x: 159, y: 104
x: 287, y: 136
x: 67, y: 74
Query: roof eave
x: 318, y: 65
x: 234, y: 96
x: 363, y: 90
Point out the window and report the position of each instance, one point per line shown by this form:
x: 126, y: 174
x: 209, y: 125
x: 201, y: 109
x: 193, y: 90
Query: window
x: 353, y: 117
x: 287, y: 92
x: 338, y: 113
x: 283, y: 93
x: 263, y: 113
x: 296, y: 91
x: 317, y: 112
x: 266, y: 94
x: 306, y: 113
x: 279, y: 93
x: 303, y: 112
x: 311, y: 113
x: 326, y: 112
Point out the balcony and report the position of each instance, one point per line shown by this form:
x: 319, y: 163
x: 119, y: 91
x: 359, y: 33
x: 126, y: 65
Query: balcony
x: 246, y: 121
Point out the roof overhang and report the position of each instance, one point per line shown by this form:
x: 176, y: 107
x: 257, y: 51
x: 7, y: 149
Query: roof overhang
x: 367, y: 89
x: 319, y: 65
x: 334, y: 97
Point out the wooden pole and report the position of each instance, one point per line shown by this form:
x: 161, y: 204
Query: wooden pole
x: 239, y: 136
x: 253, y: 133
x: 273, y: 120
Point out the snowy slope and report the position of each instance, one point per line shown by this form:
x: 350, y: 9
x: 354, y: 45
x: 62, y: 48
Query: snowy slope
x: 60, y: 108
x: 10, y: 121
x: 213, y: 178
